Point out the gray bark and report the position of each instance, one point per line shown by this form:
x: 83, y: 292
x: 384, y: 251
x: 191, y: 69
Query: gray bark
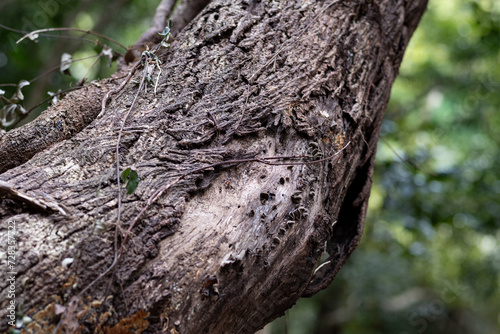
x: 228, y: 247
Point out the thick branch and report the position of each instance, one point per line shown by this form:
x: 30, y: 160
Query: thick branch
x: 227, y: 248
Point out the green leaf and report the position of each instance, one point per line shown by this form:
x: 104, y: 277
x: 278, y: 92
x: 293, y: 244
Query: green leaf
x: 130, y: 176
x: 125, y: 174
x: 133, y: 181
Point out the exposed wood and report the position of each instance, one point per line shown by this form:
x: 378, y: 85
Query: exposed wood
x: 229, y: 248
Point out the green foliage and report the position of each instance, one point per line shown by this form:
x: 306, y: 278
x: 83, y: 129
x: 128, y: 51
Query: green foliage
x: 32, y: 60
x: 130, y: 176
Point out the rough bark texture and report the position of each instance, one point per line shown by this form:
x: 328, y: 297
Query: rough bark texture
x: 229, y: 248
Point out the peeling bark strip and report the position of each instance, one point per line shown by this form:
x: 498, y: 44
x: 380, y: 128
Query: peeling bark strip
x: 230, y: 248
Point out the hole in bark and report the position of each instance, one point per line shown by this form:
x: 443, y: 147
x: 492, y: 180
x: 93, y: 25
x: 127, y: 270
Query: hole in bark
x: 282, y: 181
x: 251, y: 213
x: 264, y: 197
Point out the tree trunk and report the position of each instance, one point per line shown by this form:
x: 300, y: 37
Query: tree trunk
x: 224, y: 238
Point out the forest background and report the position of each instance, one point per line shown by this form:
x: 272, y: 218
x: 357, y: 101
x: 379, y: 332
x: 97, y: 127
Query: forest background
x: 429, y: 260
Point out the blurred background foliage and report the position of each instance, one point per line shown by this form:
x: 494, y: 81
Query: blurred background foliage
x: 429, y: 260
x: 122, y: 20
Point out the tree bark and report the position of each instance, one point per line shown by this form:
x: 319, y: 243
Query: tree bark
x: 233, y: 241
